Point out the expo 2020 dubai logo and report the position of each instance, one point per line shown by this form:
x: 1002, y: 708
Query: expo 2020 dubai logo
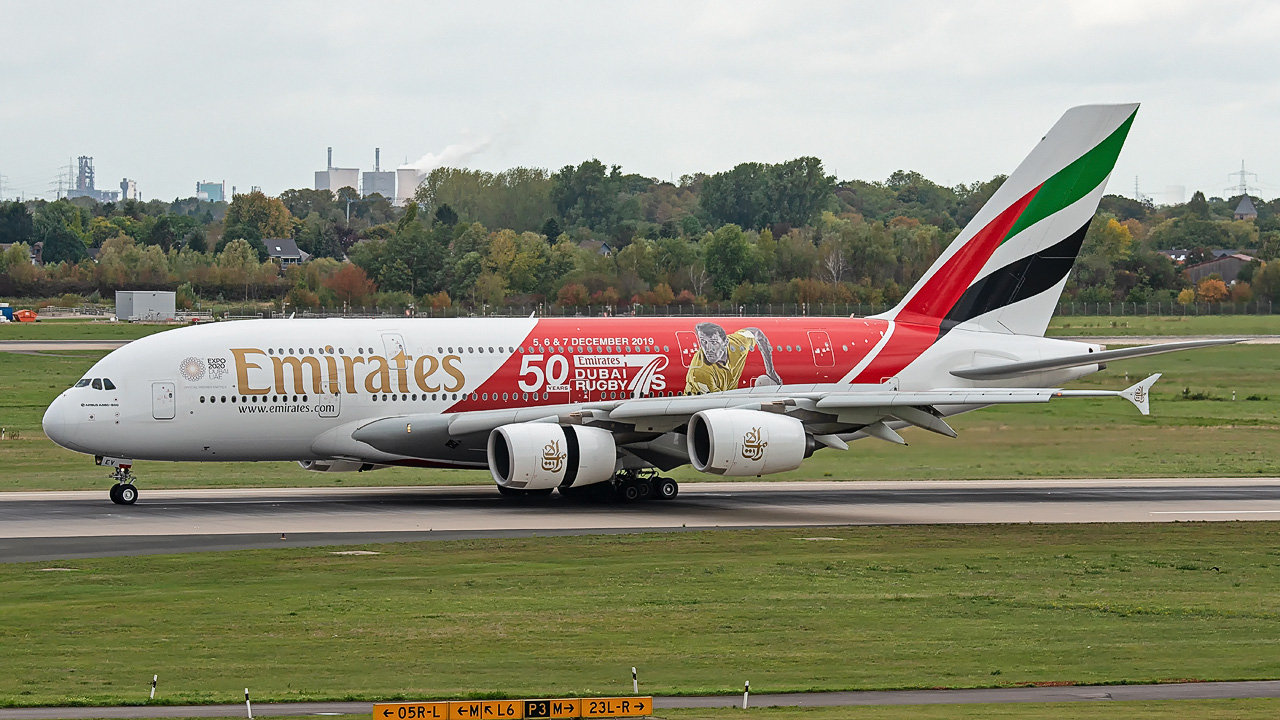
x: 192, y: 368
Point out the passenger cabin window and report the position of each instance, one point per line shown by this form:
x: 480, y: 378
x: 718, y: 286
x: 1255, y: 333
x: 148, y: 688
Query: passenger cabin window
x: 83, y: 382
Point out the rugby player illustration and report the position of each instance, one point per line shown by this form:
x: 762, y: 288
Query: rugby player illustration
x: 721, y: 357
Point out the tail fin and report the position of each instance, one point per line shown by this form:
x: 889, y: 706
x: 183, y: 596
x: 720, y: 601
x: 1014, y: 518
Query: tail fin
x: 1006, y: 270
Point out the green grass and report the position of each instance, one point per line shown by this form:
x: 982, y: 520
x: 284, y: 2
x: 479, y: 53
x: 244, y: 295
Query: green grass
x: 883, y: 607
x: 1165, y: 325
x: 1208, y: 437
x: 79, y: 330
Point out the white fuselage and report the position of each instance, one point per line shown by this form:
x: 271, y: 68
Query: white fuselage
x: 298, y: 389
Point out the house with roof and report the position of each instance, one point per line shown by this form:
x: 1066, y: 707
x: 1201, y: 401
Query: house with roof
x: 1245, y: 210
x: 285, y: 251
x: 1226, y: 266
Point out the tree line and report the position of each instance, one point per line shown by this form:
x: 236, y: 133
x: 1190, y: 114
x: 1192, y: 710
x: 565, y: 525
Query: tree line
x: 590, y: 234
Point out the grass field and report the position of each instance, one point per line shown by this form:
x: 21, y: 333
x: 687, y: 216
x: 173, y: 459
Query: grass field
x: 1206, y: 435
x: 79, y: 330
x: 1165, y: 325
x: 846, y: 608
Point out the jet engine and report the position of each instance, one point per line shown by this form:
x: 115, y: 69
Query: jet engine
x: 540, y: 456
x: 746, y: 442
x: 337, y: 466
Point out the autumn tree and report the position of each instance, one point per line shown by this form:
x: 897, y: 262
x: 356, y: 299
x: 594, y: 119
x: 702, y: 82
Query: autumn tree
x: 350, y: 285
x: 254, y: 216
x: 1211, y: 289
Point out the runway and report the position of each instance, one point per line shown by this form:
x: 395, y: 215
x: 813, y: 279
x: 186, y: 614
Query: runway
x: 42, y: 526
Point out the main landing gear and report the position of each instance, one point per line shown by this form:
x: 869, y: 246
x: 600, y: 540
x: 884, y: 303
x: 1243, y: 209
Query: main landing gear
x: 123, y: 492
x: 628, y: 486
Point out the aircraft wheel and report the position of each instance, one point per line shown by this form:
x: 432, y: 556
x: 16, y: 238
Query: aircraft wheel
x: 665, y: 489
x: 115, y: 493
x: 631, y: 491
x: 128, y: 494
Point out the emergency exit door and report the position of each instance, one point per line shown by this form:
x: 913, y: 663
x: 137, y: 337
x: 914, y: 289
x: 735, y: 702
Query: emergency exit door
x: 823, y: 354
x: 163, y: 405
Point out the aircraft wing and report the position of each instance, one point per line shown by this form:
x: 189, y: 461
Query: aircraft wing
x: 830, y: 410
x: 1005, y: 371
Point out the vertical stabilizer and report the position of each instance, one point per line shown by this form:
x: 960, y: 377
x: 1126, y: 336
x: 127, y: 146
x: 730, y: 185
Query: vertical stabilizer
x: 1006, y: 270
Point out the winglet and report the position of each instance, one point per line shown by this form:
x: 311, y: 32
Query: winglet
x: 1140, y: 394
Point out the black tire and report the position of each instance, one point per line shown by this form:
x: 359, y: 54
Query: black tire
x: 646, y: 490
x: 665, y: 489
x: 630, y: 491
x: 128, y: 494
x: 115, y: 493
x: 510, y: 492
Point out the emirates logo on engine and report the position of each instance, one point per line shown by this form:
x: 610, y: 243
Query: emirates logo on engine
x: 552, y: 458
x: 752, y: 446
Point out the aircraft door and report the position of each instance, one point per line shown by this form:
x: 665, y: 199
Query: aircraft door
x: 163, y: 404
x: 687, y: 340
x: 823, y: 354
x: 394, y: 345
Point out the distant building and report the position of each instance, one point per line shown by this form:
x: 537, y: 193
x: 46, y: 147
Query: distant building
x: 85, y: 186
x: 211, y: 192
x: 128, y: 189
x: 285, y: 251
x: 334, y: 179
x: 1226, y: 266
x: 145, y: 305
x: 33, y: 250
x: 407, y: 181
x: 379, y: 182
x: 1245, y: 210
x: 598, y: 247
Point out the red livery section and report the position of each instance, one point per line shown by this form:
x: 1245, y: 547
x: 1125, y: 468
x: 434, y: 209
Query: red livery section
x: 570, y: 360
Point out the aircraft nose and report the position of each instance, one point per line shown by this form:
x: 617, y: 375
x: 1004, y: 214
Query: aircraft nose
x: 55, y: 421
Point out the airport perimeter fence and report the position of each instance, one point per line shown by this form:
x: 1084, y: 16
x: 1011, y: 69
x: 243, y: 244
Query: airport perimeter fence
x: 1070, y: 309
x: 1066, y: 309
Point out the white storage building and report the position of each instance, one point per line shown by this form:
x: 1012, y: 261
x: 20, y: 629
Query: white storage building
x: 153, y: 305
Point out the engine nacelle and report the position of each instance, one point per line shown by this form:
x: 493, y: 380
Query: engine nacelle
x: 538, y: 456
x: 337, y: 466
x: 745, y: 442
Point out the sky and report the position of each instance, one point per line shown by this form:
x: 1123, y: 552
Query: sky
x: 169, y: 94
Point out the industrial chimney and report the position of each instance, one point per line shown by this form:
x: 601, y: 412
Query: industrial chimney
x: 330, y: 165
x: 377, y: 159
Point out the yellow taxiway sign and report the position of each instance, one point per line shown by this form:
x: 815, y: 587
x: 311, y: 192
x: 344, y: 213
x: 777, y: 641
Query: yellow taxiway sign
x: 516, y: 709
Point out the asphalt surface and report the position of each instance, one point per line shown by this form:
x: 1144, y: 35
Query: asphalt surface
x: 1172, y: 691
x: 45, y: 526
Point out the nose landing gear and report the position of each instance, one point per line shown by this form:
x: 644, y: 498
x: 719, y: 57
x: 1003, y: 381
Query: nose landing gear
x: 123, y: 492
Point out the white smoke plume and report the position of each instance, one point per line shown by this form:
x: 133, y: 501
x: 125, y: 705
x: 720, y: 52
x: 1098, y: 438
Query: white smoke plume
x: 453, y: 155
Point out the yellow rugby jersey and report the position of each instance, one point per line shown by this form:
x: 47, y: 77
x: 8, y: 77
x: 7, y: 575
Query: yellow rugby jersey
x: 707, y: 377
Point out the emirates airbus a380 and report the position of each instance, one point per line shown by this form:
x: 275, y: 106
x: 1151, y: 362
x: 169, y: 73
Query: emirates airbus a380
x: 608, y: 404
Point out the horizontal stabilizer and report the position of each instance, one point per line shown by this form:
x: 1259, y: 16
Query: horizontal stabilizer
x: 1011, y: 370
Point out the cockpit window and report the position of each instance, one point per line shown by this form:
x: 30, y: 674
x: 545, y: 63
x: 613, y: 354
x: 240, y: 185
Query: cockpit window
x: 97, y: 384
x: 84, y: 382
x: 107, y: 384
